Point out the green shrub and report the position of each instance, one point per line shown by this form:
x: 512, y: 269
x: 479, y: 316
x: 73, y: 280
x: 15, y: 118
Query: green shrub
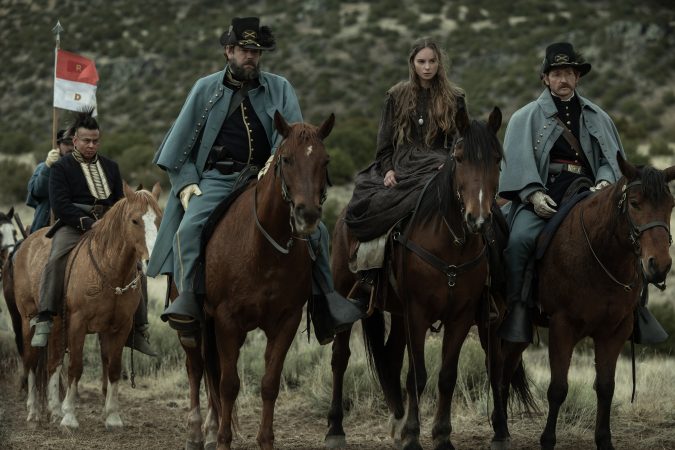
x: 15, y: 143
x: 14, y: 176
x: 659, y: 148
x: 341, y: 167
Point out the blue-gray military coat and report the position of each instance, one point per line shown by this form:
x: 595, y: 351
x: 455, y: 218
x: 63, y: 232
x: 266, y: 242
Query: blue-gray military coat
x: 186, y: 146
x: 530, y: 136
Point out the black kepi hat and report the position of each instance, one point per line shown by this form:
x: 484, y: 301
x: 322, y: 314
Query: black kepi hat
x: 246, y: 32
x: 562, y: 54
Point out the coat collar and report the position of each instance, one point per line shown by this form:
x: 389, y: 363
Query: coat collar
x: 546, y: 103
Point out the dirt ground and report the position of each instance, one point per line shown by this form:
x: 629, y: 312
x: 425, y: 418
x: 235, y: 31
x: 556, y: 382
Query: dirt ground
x: 154, y: 420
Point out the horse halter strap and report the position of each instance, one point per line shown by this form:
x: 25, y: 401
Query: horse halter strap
x: 636, y: 231
x: 117, y: 290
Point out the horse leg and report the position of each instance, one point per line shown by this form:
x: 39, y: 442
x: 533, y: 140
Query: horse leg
x: 210, y: 428
x: 606, y: 354
x: 114, y: 345
x: 231, y: 338
x: 561, y: 346
x: 335, y: 437
x: 104, y: 364
x: 416, y: 379
x: 29, y: 359
x: 394, y: 350
x: 76, y: 335
x: 453, y: 337
x: 55, y: 361
x: 278, y: 343
x: 195, y: 370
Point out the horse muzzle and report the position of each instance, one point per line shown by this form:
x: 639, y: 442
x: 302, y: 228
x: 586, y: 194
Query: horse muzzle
x: 305, y: 218
x: 476, y: 224
x: 654, y: 271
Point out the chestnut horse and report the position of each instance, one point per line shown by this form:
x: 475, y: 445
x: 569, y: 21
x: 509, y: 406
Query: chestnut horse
x: 591, y: 277
x: 258, y: 275
x: 440, y: 267
x: 100, y: 297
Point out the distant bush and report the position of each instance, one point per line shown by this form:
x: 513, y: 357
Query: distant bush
x: 15, y: 143
x: 14, y: 178
x: 659, y: 148
x: 341, y: 167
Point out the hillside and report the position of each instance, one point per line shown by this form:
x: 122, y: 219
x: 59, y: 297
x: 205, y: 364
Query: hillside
x: 340, y: 56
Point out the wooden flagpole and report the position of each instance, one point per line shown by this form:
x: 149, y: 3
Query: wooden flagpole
x: 55, y: 115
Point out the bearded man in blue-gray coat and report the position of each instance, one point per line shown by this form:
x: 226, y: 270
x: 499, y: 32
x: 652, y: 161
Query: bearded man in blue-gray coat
x: 553, y: 146
x: 226, y: 126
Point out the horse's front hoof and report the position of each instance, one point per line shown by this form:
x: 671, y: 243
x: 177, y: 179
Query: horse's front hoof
x: 503, y: 444
x: 191, y: 445
x: 113, y: 422
x: 335, y: 441
x: 70, y: 422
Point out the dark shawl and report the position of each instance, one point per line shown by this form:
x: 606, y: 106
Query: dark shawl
x: 374, y: 208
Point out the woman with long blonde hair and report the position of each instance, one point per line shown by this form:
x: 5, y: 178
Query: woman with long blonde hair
x: 416, y: 132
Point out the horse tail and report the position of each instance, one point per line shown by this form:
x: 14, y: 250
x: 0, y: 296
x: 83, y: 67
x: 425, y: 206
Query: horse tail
x: 10, y: 301
x: 521, y: 388
x: 211, y: 364
x: 373, y: 338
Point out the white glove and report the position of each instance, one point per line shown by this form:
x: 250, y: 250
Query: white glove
x: 52, y: 157
x: 542, y: 204
x: 187, y: 192
x: 601, y: 184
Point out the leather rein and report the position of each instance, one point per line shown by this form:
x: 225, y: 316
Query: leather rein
x: 634, y: 233
x: 286, y: 196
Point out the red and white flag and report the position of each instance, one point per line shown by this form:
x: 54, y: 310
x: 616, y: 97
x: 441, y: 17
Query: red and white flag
x: 75, y: 81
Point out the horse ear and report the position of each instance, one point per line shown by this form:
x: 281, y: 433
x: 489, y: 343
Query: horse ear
x: 627, y: 169
x: 462, y: 120
x: 128, y: 192
x: 326, y: 127
x: 156, y: 190
x: 281, y: 125
x: 10, y: 214
x: 670, y: 174
x: 495, y: 120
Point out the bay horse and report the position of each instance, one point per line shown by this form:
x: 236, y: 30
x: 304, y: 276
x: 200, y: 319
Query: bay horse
x: 258, y: 274
x: 441, y: 271
x: 591, y: 277
x: 8, y: 239
x: 99, y: 297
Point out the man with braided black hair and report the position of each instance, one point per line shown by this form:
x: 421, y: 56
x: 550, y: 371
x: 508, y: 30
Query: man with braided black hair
x: 83, y: 185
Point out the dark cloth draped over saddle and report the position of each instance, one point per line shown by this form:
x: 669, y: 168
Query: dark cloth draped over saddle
x: 552, y: 225
x: 246, y: 177
x: 374, y: 208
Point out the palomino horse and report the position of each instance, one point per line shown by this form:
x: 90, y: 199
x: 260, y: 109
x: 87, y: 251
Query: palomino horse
x: 440, y: 265
x: 253, y: 281
x: 101, y: 277
x: 591, y: 276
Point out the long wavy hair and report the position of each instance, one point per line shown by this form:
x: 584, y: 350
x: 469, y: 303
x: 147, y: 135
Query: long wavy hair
x: 443, y: 98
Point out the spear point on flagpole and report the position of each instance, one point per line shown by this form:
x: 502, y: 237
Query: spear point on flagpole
x: 57, y: 28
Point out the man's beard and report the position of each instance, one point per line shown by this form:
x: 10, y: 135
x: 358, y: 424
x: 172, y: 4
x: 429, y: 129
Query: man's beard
x: 242, y: 73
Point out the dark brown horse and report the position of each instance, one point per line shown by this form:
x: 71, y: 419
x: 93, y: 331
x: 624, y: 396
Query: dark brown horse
x: 8, y: 238
x: 258, y: 275
x: 445, y: 281
x: 590, y: 279
x: 100, y: 297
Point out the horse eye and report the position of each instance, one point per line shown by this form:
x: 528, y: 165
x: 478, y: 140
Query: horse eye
x: 135, y: 222
x: 287, y: 160
x: 634, y: 204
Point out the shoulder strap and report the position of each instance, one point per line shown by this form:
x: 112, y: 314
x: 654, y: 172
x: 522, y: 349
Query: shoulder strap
x: 569, y: 137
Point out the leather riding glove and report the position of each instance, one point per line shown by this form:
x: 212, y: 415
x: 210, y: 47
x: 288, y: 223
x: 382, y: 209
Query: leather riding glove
x: 52, y: 157
x: 543, y: 204
x: 187, y: 192
x: 601, y: 184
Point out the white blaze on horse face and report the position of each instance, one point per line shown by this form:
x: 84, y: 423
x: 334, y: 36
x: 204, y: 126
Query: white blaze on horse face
x: 309, y: 151
x: 7, y: 233
x: 150, y: 231
x: 481, y: 218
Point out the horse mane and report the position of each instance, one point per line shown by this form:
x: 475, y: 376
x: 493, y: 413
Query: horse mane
x: 479, y: 143
x: 654, y: 186
x: 301, y: 133
x: 107, y: 231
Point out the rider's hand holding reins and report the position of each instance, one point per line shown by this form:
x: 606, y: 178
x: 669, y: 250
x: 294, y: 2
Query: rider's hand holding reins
x: 52, y: 157
x: 390, y: 178
x: 543, y: 204
x: 601, y: 184
x: 187, y: 192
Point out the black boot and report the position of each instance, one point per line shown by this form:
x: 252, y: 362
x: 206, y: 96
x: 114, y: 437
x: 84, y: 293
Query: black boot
x: 139, y: 340
x: 646, y: 329
x: 517, y: 326
x: 185, y: 315
x: 331, y: 314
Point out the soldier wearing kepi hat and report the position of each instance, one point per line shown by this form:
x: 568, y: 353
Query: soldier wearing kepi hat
x: 553, y: 146
x: 225, y: 127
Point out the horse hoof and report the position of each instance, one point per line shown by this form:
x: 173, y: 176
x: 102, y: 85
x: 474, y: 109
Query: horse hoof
x: 335, y: 441
x: 113, y: 422
x: 210, y: 446
x: 504, y: 444
x: 70, y: 422
x: 191, y: 445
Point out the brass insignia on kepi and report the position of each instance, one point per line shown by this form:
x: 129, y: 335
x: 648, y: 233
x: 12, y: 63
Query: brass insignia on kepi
x: 249, y: 34
x: 561, y: 58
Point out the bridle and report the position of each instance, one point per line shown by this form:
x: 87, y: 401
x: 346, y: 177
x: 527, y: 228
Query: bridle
x: 634, y: 233
x: 286, y: 196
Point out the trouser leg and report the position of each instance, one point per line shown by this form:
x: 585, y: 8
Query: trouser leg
x: 52, y: 280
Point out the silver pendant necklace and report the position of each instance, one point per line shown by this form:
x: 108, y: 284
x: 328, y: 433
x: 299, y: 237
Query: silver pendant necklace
x: 420, y: 120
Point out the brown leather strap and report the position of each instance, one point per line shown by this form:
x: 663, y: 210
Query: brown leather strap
x: 573, y: 141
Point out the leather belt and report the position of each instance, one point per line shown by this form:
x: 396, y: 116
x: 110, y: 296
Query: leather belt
x: 226, y: 166
x: 97, y: 211
x: 556, y: 168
